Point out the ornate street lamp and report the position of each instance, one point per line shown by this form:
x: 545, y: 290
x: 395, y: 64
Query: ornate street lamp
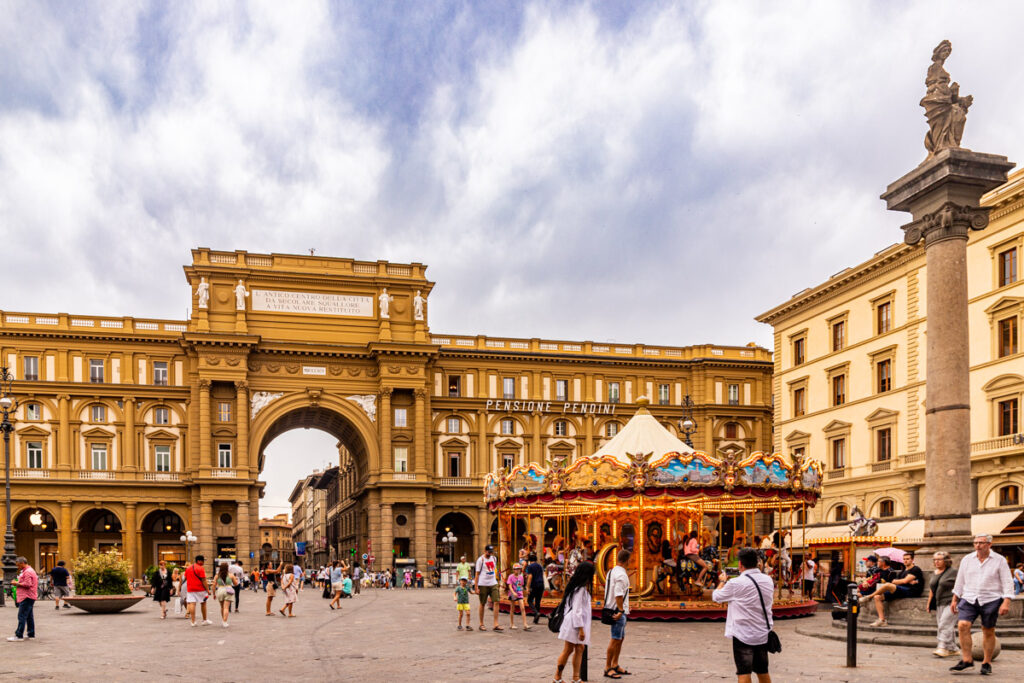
x: 8, y: 405
x: 450, y: 541
x: 686, y: 424
x: 189, y: 540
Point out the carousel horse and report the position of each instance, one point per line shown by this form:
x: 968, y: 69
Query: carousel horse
x: 861, y: 525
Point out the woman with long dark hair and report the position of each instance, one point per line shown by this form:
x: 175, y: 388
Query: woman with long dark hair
x: 575, y: 630
x: 224, y: 591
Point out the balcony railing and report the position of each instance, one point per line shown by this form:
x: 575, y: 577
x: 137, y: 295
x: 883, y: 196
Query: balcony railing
x: 30, y: 473
x: 96, y: 474
x: 223, y: 473
x: 835, y: 474
x: 161, y: 476
x: 456, y: 481
x: 882, y: 466
x: 912, y: 458
x: 997, y: 444
x: 403, y: 476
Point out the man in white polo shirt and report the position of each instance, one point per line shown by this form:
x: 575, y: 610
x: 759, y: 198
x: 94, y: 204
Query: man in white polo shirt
x: 749, y: 618
x: 984, y: 587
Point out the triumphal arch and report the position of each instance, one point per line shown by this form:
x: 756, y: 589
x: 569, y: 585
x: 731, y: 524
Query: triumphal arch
x: 130, y: 430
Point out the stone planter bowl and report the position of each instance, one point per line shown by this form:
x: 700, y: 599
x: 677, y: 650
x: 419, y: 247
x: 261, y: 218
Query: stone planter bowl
x: 104, y: 604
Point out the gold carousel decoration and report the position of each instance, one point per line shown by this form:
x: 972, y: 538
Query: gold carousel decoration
x: 648, y: 491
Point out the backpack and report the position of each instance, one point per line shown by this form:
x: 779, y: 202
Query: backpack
x: 556, y: 617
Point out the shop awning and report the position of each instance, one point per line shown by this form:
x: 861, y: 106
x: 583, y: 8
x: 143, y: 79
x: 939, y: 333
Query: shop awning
x: 906, y: 531
x: 993, y: 522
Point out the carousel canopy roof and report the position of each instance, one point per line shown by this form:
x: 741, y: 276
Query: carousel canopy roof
x: 642, y: 435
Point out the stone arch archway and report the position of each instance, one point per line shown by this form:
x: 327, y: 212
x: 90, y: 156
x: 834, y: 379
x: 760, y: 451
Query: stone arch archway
x: 160, y: 533
x: 461, y: 526
x: 36, y: 538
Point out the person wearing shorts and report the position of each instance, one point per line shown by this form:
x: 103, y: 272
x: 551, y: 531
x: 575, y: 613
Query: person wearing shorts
x: 59, y: 576
x: 461, y: 597
x: 747, y: 622
x: 486, y: 585
x: 984, y: 588
x: 197, y: 591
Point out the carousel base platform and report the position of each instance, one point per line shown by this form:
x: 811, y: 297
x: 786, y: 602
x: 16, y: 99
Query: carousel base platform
x: 668, y: 609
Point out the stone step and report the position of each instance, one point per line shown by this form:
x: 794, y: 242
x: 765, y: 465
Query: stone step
x: 923, y: 630
x: 893, y: 640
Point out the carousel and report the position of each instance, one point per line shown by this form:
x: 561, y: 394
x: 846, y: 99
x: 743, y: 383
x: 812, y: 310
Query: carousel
x: 649, y: 492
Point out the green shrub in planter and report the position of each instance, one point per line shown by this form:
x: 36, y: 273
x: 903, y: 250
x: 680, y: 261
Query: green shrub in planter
x: 101, y: 574
x: 152, y: 569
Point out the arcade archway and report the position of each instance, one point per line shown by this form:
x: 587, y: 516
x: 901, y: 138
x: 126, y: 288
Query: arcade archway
x: 35, y: 533
x: 161, y: 538
x: 99, y: 529
x: 461, y: 527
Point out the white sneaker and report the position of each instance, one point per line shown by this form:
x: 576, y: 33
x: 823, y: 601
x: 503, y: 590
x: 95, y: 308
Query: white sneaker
x: 225, y: 624
x: 192, y: 623
x: 942, y: 652
x: 15, y: 638
x: 207, y: 621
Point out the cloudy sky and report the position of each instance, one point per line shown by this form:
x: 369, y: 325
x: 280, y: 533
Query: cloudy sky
x: 651, y: 172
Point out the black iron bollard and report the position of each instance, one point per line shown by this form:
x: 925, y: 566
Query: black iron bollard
x: 852, y: 614
x: 583, y: 665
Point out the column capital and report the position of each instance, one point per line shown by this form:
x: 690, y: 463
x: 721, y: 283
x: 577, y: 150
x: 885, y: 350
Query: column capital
x: 63, y: 397
x: 420, y: 393
x: 241, y: 385
x: 204, y: 383
x: 949, y: 221
x: 385, y: 392
x: 128, y: 399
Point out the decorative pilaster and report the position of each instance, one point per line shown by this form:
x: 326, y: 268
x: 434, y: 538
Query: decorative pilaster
x: 64, y: 436
x: 243, y: 543
x: 65, y: 539
x: 421, y: 435
x: 129, y: 463
x: 537, y: 453
x: 242, y: 417
x: 205, y: 459
x: 387, y: 455
x: 131, y: 538
x: 387, y: 536
x: 205, y: 533
x: 420, y: 547
x: 483, y: 463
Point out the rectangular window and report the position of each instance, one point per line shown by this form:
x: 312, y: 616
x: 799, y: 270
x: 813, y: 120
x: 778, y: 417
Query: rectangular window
x: 161, y: 416
x: 507, y: 426
x: 561, y: 390
x: 454, y: 425
x: 31, y: 368
x: 883, y: 438
x: 508, y: 461
x: 96, y: 371
x: 160, y: 373
x: 1007, y: 337
x: 401, y: 417
x: 799, y: 402
x: 99, y: 413
x: 839, y: 335
x: 731, y: 430
x: 798, y: 453
x: 1007, y: 415
x: 1007, y: 264
x: 884, y: 370
x: 611, y: 429
x: 223, y: 455
x: 798, y: 351
x: 224, y: 411
x: 839, y: 390
x: 838, y: 454
x: 162, y: 458
x: 454, y: 464
x: 33, y: 411
x: 560, y: 428
x: 401, y: 459
x: 508, y: 387
x: 884, y: 317
x: 613, y: 392
x: 34, y: 450
x: 99, y: 456
x: 454, y: 386
x: 734, y: 394
x: 663, y: 394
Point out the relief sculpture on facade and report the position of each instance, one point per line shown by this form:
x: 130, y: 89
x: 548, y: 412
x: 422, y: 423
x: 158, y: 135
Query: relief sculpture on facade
x: 260, y: 400
x: 368, y: 402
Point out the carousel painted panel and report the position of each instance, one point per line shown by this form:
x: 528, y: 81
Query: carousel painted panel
x: 596, y: 473
x: 810, y: 475
x: 763, y: 470
x: 491, y: 488
x: 676, y: 469
x: 526, y: 479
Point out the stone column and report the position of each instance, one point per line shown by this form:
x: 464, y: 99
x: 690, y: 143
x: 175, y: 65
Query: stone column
x: 537, y: 453
x: 243, y: 544
x: 203, y: 462
x: 205, y: 534
x: 942, y: 195
x: 387, y: 536
x: 483, y: 458
x: 64, y: 436
x: 483, y: 528
x: 974, y: 495
x: 420, y: 546
x: 242, y: 417
x: 387, y: 455
x: 419, y: 435
x: 131, y: 538
x: 129, y: 463
x: 64, y: 538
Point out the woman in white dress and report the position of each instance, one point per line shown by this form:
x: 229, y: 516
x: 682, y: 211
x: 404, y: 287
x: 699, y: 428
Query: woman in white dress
x: 575, y: 630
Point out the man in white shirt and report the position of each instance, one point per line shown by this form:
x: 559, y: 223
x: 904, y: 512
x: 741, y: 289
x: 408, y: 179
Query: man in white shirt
x: 617, y: 594
x: 485, y: 584
x: 746, y: 622
x: 235, y: 570
x: 808, y: 575
x: 983, y: 588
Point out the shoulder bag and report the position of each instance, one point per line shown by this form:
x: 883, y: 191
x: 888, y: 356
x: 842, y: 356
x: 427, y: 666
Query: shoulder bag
x: 774, y: 645
x: 557, y: 616
x: 607, y: 613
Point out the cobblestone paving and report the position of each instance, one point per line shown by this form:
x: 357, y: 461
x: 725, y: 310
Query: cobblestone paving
x: 410, y: 636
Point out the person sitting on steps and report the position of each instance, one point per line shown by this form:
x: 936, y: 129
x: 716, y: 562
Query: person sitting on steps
x: 909, y: 583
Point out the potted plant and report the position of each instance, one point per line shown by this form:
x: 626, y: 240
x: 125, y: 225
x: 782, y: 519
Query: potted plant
x: 102, y: 583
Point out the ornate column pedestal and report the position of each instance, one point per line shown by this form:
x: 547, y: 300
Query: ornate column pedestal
x: 942, y: 195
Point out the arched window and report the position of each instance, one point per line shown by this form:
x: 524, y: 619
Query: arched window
x: 841, y: 513
x: 886, y: 508
x: 1009, y: 495
x: 168, y: 523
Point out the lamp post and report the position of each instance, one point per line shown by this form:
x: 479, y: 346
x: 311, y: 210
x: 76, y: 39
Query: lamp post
x: 189, y: 540
x: 8, y: 405
x: 686, y: 424
x: 449, y: 540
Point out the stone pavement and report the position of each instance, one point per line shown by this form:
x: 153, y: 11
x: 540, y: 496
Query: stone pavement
x: 410, y: 636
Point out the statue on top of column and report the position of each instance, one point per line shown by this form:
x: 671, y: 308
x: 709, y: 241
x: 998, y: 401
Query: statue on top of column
x: 944, y: 107
x: 384, y: 301
x: 240, y: 294
x: 417, y: 304
x: 203, y: 292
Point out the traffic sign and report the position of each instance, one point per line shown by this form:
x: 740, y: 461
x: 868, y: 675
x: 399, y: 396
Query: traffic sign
x: 365, y: 556
x: 372, y: 558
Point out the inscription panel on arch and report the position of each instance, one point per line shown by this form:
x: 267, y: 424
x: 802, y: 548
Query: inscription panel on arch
x: 314, y: 303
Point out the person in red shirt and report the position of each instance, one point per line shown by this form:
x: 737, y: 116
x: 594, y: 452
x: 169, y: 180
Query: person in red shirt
x: 196, y: 589
x: 27, y: 584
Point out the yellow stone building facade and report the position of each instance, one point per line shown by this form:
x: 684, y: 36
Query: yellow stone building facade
x: 131, y: 430
x: 849, y: 380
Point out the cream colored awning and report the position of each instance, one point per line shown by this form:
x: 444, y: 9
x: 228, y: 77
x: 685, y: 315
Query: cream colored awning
x: 642, y: 435
x: 992, y: 522
x: 906, y: 531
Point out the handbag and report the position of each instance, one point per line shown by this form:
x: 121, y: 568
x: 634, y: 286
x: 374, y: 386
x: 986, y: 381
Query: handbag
x: 556, y: 617
x: 607, y: 613
x: 774, y: 644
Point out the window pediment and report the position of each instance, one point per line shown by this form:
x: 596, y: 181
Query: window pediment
x: 97, y: 432
x: 161, y: 435
x: 796, y: 435
x: 508, y: 444
x: 837, y: 426
x: 882, y: 415
x: 561, y: 446
x: 1004, y: 382
x: 1005, y: 304
x: 455, y: 442
x: 32, y: 431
